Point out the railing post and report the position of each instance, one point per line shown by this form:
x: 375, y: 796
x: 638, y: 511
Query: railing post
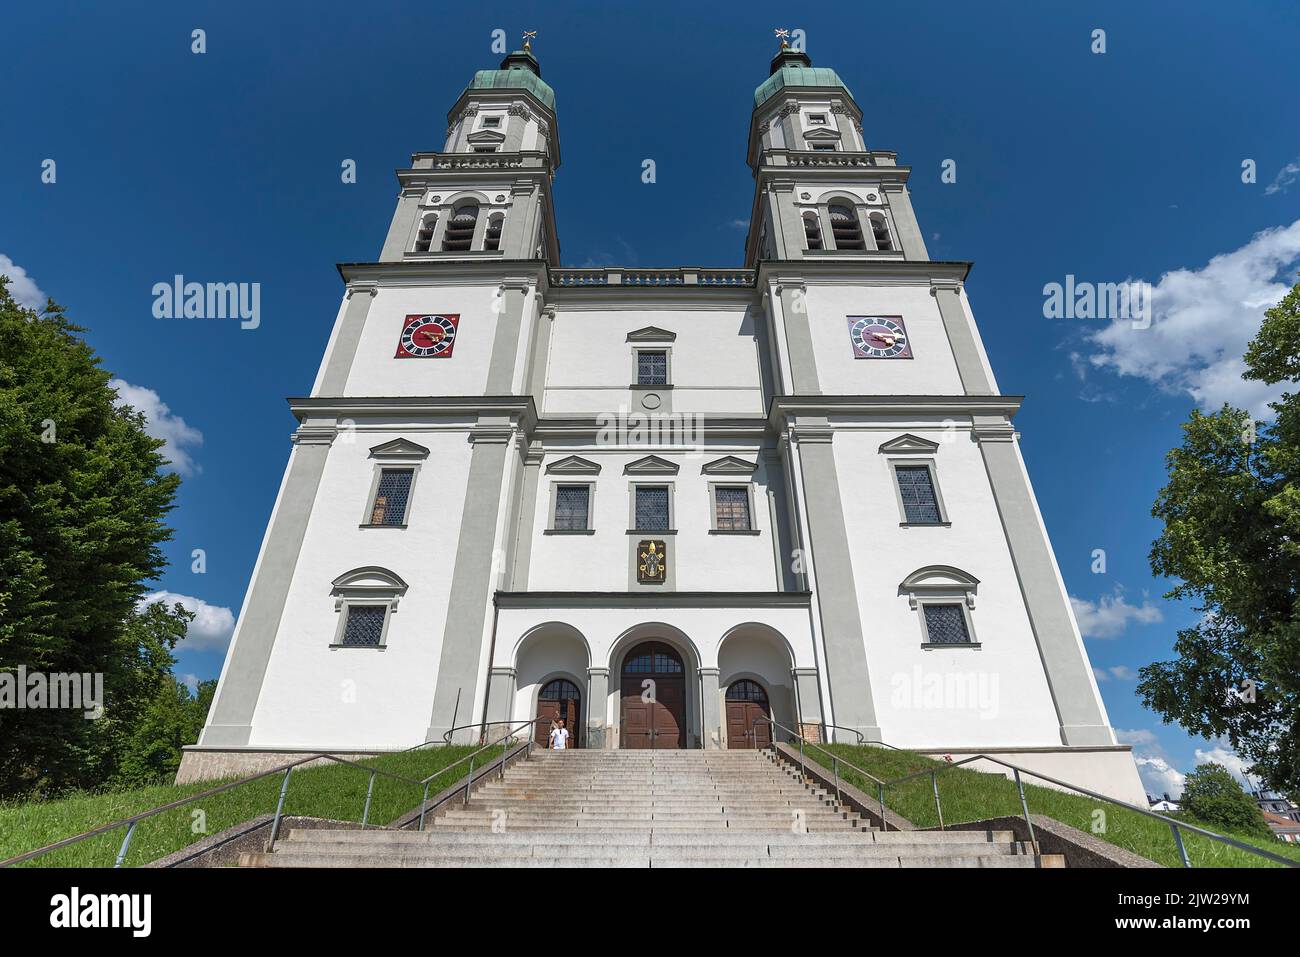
x: 424, y: 803
x: 279, y: 808
x: 835, y: 766
x: 504, y: 749
x: 126, y: 843
x: 1024, y: 806
x: 468, y: 778
x: 803, y: 770
x: 370, y: 790
x: 880, y: 796
x: 934, y: 785
x: 1182, y: 850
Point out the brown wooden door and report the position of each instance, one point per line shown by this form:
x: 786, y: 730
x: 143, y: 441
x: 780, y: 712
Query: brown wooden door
x: 558, y: 699
x: 653, y: 692
x: 746, y: 703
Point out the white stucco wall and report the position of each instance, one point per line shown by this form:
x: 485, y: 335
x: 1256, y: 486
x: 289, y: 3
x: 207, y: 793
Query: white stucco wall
x: 304, y: 699
x: 997, y: 694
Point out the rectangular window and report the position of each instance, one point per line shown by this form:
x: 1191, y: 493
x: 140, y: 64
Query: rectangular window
x: 945, y: 625
x: 915, y: 486
x: 485, y: 149
x: 365, y: 625
x: 652, y: 508
x: 651, y: 368
x: 731, y: 509
x: 491, y: 121
x: 391, y: 497
x: 572, y: 507
x: 817, y: 119
x: 824, y: 147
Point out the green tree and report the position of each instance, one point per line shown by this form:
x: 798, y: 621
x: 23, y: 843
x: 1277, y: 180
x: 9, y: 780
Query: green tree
x: 1212, y: 796
x: 83, y: 495
x: 1231, y: 538
x: 173, y: 719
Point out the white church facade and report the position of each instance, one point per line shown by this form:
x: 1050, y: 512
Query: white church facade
x: 789, y: 491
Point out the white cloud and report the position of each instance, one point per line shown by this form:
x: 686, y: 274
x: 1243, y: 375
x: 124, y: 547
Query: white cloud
x: 1284, y: 178
x: 1221, y: 754
x: 1118, y: 672
x: 1158, y: 777
x: 190, y: 681
x: 212, y: 625
x: 1109, y: 617
x: 1135, y: 736
x: 161, y: 424
x: 1201, y: 322
x: 21, y: 285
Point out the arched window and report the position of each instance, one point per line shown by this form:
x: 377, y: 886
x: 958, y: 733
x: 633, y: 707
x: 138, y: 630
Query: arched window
x: 812, y: 230
x: 845, y: 228
x: 424, y: 238
x: 880, y: 230
x: 460, y: 230
x: 492, y: 238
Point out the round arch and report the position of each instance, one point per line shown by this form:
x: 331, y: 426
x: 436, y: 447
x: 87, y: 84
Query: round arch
x: 755, y: 652
x: 544, y: 653
x: 679, y: 642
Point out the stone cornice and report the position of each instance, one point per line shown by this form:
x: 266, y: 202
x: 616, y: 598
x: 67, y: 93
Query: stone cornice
x: 865, y: 271
x: 519, y: 409
x: 782, y: 408
x: 674, y: 599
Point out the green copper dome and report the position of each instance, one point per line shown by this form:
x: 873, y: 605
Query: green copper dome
x: 794, y: 68
x: 519, y: 71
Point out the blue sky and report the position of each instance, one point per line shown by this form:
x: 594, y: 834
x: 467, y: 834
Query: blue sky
x: 225, y: 167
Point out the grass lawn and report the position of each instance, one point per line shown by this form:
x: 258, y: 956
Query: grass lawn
x: 973, y: 795
x: 329, y: 791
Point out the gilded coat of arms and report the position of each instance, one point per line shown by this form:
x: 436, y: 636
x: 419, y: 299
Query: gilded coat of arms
x: 652, y: 562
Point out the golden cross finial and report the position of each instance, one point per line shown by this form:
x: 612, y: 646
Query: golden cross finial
x: 782, y: 35
x: 529, y: 36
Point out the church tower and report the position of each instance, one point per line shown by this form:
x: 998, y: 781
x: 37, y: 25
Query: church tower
x: 788, y: 497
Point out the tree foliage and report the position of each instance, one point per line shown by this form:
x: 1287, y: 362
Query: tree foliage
x: 83, y: 496
x: 1212, y: 796
x: 1231, y: 540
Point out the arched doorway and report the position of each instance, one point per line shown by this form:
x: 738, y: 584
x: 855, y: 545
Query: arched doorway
x: 653, y: 693
x: 559, y: 698
x: 746, y: 703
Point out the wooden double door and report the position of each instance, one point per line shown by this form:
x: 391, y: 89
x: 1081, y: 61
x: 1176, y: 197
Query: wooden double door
x: 558, y: 699
x: 653, y: 693
x: 747, y: 704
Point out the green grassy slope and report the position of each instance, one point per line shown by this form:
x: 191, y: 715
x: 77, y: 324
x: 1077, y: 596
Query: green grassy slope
x: 329, y: 791
x: 973, y: 795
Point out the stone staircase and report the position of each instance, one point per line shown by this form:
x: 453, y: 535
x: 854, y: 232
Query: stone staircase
x: 648, y: 809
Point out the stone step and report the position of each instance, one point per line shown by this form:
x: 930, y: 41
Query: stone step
x: 381, y: 836
x: 297, y: 859
x: 738, y: 851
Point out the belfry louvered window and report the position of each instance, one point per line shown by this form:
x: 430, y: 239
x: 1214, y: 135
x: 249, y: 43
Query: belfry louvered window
x: 652, y: 508
x: 845, y: 228
x: 945, y: 624
x: 916, y: 489
x: 651, y: 367
x: 460, y: 230
x: 391, y: 497
x: 812, y: 231
x: 572, y: 507
x: 424, y: 238
x: 365, y: 625
x: 880, y: 231
x: 492, y: 238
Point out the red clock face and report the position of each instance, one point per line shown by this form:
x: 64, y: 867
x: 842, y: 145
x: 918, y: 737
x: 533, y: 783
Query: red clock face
x: 879, y: 337
x: 428, y: 336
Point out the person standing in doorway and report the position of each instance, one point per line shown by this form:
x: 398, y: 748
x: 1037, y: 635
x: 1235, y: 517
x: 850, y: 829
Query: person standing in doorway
x: 559, y: 736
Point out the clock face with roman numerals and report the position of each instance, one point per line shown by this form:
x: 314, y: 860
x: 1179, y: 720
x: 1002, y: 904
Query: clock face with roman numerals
x: 879, y: 337
x: 428, y: 336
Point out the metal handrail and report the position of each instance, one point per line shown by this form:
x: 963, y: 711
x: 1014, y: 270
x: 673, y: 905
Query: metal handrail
x: 131, y: 822
x: 446, y: 735
x: 1174, y: 825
